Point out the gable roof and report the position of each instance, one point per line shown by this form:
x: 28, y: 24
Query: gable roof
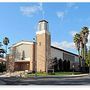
x: 63, y: 50
x: 22, y: 42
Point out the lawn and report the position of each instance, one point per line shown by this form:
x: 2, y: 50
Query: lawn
x: 54, y: 74
x: 67, y: 73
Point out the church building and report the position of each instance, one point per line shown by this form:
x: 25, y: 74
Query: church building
x: 40, y: 56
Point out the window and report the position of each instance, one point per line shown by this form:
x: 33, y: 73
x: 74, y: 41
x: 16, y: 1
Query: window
x: 39, y: 43
x: 23, y: 55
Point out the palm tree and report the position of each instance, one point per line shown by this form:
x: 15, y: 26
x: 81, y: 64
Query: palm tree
x: 77, y: 40
x: 84, y: 34
x: 6, y: 42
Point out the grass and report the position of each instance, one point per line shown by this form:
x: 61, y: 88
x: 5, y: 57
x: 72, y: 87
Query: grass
x: 53, y: 74
x: 67, y: 73
x: 38, y: 74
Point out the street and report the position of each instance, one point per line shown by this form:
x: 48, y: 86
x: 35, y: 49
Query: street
x: 84, y: 80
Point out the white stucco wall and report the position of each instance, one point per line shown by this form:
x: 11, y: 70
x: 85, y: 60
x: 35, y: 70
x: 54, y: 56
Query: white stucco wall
x: 20, y: 48
x: 56, y: 53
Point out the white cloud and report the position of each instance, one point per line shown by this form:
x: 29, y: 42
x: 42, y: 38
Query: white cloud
x: 64, y: 45
x: 31, y: 10
x: 70, y: 5
x: 76, y: 7
x: 60, y: 15
x: 73, y: 32
x: 42, y: 10
x: 41, y: 6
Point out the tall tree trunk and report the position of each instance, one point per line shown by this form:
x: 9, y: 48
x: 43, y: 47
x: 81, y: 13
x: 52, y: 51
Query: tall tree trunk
x: 84, y: 51
x: 79, y: 59
x: 84, y: 54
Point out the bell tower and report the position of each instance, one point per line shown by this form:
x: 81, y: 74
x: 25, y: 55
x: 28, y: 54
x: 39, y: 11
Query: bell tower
x: 43, y: 39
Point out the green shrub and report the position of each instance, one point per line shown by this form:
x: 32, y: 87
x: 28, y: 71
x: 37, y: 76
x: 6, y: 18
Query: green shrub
x: 2, y: 67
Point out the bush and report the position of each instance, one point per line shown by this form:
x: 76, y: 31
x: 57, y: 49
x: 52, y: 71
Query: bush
x: 2, y: 67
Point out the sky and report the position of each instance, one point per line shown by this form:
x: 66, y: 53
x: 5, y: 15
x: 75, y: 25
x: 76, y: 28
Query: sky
x: 19, y: 21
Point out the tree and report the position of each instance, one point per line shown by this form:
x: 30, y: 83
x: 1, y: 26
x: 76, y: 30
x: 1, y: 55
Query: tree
x: 10, y: 63
x: 52, y: 64
x: 77, y: 39
x: 2, y: 64
x: 64, y: 65
x: 68, y: 65
x: 88, y: 58
x: 80, y: 41
x: 84, y: 35
x: 6, y: 42
x: 60, y: 64
x: 2, y: 51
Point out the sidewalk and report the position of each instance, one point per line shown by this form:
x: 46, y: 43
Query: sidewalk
x: 17, y: 74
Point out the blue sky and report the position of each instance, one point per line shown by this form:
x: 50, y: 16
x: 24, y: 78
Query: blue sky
x: 19, y: 21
